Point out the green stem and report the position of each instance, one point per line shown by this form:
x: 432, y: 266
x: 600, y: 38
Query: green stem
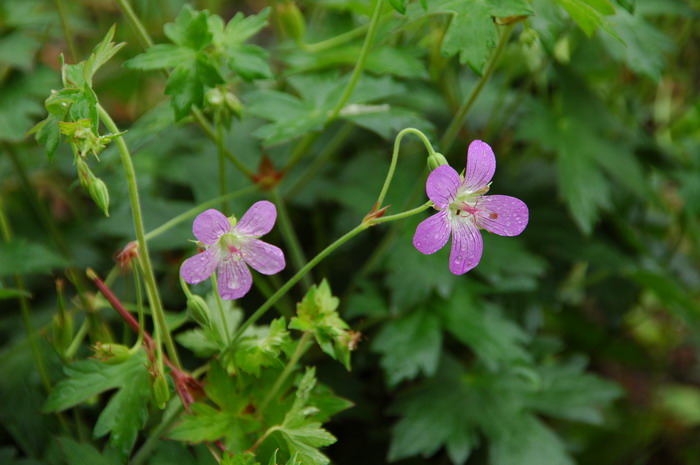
x: 302, y: 147
x: 141, y: 34
x: 395, y: 156
x: 315, y: 261
x: 336, y: 40
x: 149, y: 276
x: 406, y: 214
x: 222, y: 165
x: 361, y: 60
x: 456, y: 123
x: 77, y: 340
x: 290, y: 237
x: 202, y: 121
x: 222, y: 314
x: 294, y: 279
x: 196, y: 210
x: 302, y: 346
x: 63, y: 17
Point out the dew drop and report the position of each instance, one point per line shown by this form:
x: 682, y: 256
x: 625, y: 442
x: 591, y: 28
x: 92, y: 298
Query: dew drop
x: 232, y: 285
x: 507, y: 223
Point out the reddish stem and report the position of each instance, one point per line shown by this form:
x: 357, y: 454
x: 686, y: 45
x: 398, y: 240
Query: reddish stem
x: 184, y: 383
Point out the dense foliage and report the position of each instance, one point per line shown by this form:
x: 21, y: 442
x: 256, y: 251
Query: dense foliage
x: 574, y: 342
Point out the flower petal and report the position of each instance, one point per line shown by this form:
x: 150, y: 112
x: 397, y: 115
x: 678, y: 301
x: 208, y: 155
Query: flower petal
x: 432, y: 234
x: 481, y: 164
x: 466, y: 246
x: 442, y: 185
x: 258, y: 220
x: 196, y: 269
x: 502, y: 214
x: 234, y: 278
x: 210, y: 225
x: 263, y: 257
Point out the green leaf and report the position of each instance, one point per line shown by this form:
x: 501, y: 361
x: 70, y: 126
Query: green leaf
x: 161, y: 56
x: 204, y: 424
x: 82, y: 454
x: 88, y: 378
x: 643, y: 47
x: 567, y: 392
x: 302, y: 434
x: 250, y: 62
x: 528, y: 442
x: 472, y: 33
x: 399, y: 5
x: 317, y: 314
x: 409, y: 345
x: 102, y: 53
x: 125, y: 414
x: 260, y: 346
x: 495, y: 339
x: 587, y: 14
x: 190, y: 29
x: 13, y: 293
x: 241, y: 28
x: 23, y: 257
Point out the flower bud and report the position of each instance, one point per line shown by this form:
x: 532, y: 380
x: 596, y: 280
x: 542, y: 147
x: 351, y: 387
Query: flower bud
x: 84, y: 173
x: 111, y: 353
x: 161, y: 390
x: 99, y: 193
x: 436, y: 159
x: 198, y: 310
x: 291, y: 20
x: 62, y: 331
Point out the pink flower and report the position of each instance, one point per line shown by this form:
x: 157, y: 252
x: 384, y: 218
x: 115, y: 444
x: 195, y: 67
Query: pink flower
x: 231, y: 247
x: 464, y: 209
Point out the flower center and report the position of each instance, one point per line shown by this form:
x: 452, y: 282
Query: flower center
x: 231, y: 243
x: 465, y: 205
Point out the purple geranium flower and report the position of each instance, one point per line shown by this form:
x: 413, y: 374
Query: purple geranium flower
x: 464, y: 209
x: 231, y: 247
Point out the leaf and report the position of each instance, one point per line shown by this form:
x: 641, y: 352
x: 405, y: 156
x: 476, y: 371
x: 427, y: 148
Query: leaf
x: 88, y: 378
x: 567, y: 392
x: 643, y: 47
x: 472, y: 33
x: 241, y: 28
x: 161, y: 56
x: 13, y: 293
x: 24, y: 257
x: 495, y: 339
x: 399, y: 5
x: 82, y: 454
x: 190, y: 29
x: 300, y: 432
x: 409, y: 345
x: 317, y: 314
x: 528, y: 442
x: 260, y: 346
x: 102, y: 53
x: 204, y: 424
x: 125, y: 414
x: 587, y: 14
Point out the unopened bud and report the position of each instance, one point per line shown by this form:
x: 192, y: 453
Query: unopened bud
x: 291, y: 20
x: 436, y: 159
x: 233, y: 103
x: 62, y: 331
x: 99, y: 193
x: 161, y: 390
x: 84, y: 173
x: 111, y: 353
x: 198, y: 310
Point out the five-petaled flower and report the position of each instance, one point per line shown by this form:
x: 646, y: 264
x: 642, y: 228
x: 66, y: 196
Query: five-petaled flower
x: 464, y: 209
x: 231, y: 246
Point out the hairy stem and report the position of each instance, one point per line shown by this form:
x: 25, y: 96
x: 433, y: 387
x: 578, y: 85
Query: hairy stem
x: 67, y: 34
x: 149, y: 275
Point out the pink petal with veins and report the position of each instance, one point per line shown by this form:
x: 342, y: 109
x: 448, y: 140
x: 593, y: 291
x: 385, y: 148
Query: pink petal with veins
x: 210, y: 225
x: 196, y: 269
x: 432, y: 234
x: 481, y: 164
x: 502, y: 214
x: 466, y: 246
x: 442, y: 185
x: 234, y: 278
x: 263, y: 257
x: 258, y: 220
